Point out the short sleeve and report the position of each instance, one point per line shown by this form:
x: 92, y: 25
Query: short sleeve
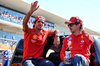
x: 50, y: 32
x: 27, y: 31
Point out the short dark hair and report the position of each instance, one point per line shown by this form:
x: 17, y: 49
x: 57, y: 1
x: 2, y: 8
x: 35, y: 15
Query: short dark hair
x: 35, y: 22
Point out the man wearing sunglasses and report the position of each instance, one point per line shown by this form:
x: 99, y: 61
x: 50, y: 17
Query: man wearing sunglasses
x: 35, y: 39
x: 78, y: 42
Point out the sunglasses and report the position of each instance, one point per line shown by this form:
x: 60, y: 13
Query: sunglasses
x: 71, y: 24
x: 41, y: 22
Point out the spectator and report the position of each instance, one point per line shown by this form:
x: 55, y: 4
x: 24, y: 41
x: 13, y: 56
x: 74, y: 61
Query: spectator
x: 0, y: 12
x: 9, y: 16
x: 6, y: 14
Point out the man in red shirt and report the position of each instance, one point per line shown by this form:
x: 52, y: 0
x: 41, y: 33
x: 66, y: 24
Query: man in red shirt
x: 35, y: 39
x: 78, y: 42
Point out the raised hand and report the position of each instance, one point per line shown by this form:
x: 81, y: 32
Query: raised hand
x: 34, y: 6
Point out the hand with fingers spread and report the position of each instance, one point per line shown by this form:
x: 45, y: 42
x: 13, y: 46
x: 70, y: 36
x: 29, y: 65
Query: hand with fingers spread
x: 34, y: 6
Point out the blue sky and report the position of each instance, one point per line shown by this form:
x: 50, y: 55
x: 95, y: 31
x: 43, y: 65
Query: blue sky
x: 87, y: 10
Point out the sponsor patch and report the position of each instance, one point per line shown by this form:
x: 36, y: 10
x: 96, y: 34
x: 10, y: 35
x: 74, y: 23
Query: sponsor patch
x: 34, y: 36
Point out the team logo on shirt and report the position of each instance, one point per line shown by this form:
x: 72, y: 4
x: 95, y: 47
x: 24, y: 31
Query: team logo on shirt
x: 33, y: 41
x: 34, y: 36
x: 82, y: 41
x: 69, y: 43
x: 82, y: 36
x: 42, y: 33
x: 70, y: 38
x: 78, y: 20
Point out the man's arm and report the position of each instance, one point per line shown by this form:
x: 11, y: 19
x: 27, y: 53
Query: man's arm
x: 57, y: 38
x: 33, y: 8
x: 63, y: 49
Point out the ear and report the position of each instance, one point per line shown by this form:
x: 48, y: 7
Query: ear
x: 78, y: 25
x: 44, y: 24
x: 33, y: 23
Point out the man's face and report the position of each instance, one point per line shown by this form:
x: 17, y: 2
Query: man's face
x: 39, y: 24
x: 73, y: 27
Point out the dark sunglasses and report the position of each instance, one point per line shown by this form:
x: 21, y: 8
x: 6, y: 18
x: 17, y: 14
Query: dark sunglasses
x: 41, y: 22
x: 71, y: 24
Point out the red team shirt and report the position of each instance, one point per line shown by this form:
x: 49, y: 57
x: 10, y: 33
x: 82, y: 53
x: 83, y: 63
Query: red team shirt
x: 34, y: 43
x: 79, y: 44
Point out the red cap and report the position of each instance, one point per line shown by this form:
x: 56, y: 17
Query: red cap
x: 40, y: 17
x: 74, y: 19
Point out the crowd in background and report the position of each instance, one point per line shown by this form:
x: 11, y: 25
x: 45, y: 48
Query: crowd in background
x: 5, y: 15
x: 17, y: 18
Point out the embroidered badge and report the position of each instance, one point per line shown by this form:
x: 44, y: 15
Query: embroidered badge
x: 70, y: 38
x: 69, y: 43
x: 82, y: 36
x: 82, y: 41
x: 33, y: 41
x: 78, y: 20
x: 34, y: 36
x: 42, y: 33
x: 42, y: 19
x: 81, y: 45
